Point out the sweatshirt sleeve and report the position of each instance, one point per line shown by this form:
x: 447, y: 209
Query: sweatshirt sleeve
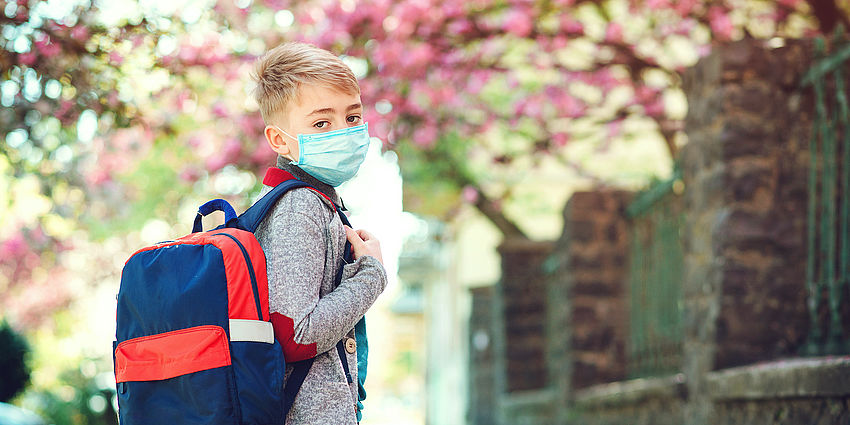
x: 304, y: 323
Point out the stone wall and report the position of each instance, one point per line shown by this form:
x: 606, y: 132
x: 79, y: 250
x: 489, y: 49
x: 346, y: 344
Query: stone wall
x: 795, y: 411
x: 652, y: 401
x: 810, y: 391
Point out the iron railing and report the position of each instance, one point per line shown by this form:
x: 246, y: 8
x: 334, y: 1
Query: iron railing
x: 655, y: 280
x: 828, y: 235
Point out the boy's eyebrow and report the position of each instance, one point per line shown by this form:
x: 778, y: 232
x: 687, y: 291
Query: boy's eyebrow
x: 331, y: 110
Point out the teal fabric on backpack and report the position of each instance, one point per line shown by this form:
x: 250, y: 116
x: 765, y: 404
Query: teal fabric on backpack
x: 362, y: 363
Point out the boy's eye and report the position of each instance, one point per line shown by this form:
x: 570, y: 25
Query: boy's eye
x: 321, y: 124
x: 354, y: 118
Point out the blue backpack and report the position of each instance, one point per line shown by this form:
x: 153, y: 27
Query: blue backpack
x: 194, y: 344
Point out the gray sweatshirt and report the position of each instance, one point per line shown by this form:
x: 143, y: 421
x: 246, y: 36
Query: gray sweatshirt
x: 303, y: 240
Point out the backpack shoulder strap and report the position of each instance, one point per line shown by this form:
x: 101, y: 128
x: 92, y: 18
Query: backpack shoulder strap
x: 251, y: 218
x: 282, y: 182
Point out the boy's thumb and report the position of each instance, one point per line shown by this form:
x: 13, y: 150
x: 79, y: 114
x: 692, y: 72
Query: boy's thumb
x: 352, y: 235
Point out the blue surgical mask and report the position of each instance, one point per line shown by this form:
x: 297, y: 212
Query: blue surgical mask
x: 333, y: 157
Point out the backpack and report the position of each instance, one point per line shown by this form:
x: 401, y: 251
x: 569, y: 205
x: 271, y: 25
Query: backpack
x: 194, y: 344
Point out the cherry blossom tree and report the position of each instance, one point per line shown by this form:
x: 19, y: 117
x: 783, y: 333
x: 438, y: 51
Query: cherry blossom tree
x: 111, y: 119
x: 453, y: 81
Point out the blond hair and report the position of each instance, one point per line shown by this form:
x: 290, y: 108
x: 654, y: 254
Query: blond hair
x: 280, y: 72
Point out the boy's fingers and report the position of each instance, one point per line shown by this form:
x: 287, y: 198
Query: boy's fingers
x: 352, y: 235
x: 364, y: 235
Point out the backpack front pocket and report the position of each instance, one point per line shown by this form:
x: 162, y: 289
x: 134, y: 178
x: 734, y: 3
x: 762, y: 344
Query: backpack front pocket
x: 183, y: 376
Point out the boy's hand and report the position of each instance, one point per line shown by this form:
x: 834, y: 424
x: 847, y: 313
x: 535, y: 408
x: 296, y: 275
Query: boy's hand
x: 363, y: 243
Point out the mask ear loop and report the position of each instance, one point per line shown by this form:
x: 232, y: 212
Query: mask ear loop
x: 293, y: 138
x: 281, y: 130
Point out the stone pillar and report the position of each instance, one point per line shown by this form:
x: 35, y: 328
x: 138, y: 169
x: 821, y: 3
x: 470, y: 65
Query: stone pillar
x: 523, y: 300
x: 588, y: 304
x: 482, y: 366
x: 524, y: 394
x: 599, y: 240
x: 744, y: 169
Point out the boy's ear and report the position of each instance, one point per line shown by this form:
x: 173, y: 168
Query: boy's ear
x: 276, y: 140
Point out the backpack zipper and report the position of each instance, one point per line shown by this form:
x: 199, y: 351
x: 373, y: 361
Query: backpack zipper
x: 250, y: 272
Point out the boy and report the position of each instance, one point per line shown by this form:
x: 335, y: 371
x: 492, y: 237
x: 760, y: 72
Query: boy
x: 310, y: 102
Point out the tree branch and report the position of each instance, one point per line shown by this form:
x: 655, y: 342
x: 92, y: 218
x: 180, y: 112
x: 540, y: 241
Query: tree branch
x: 488, y: 207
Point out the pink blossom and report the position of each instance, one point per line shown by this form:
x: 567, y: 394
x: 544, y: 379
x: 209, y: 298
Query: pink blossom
x: 419, y: 56
x: 685, y: 27
x: 476, y: 81
x: 47, y: 48
x: 614, y: 32
x: 658, y: 4
x: 519, y: 108
x: 188, y: 53
x: 380, y: 129
x: 566, y: 105
x: 12, y: 247
x: 112, y: 99
x: 654, y: 108
x: 181, y: 98
x: 167, y: 61
x: 409, y: 12
x: 232, y: 149
x: 64, y: 112
x: 560, y: 139
x: 645, y: 94
x: 533, y: 107
x: 27, y: 58
x: 97, y: 177
x: 721, y: 25
x: 115, y: 58
x: 469, y: 194
x: 451, y: 9
x: 559, y: 42
x: 215, y: 163
x: 304, y: 19
x: 459, y: 27
x: 195, y: 141
x: 190, y: 174
x: 615, y: 128
x: 80, y: 33
x: 219, y: 110
x: 262, y: 154
x: 251, y: 124
x: 686, y: 7
x: 571, y: 26
x: 276, y: 4
x: 388, y: 53
x: 518, y: 22
x: 425, y: 135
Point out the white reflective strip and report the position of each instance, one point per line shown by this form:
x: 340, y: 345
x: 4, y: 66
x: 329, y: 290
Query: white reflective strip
x: 251, y: 330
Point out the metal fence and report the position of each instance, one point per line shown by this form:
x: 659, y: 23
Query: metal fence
x: 655, y: 280
x: 828, y: 233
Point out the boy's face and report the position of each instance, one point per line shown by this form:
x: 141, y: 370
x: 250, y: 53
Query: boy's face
x: 317, y: 109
